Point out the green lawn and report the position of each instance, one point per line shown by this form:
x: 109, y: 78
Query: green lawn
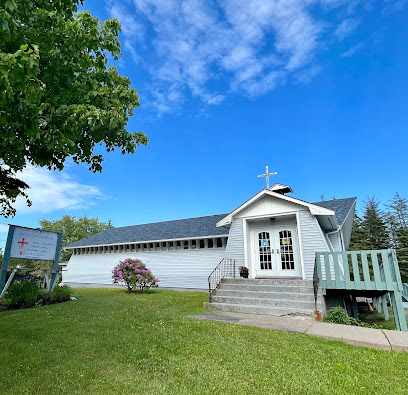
x: 111, y: 342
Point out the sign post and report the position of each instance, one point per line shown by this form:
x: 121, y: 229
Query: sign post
x: 6, y: 258
x: 29, y: 243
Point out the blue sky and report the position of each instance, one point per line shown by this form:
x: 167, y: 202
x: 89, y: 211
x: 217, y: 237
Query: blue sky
x: 316, y: 90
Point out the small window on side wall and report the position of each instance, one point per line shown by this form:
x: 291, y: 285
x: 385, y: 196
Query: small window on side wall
x: 219, y: 242
x: 186, y: 244
x: 202, y: 244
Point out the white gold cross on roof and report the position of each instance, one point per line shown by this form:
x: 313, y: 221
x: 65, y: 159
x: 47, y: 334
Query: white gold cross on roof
x: 267, y: 176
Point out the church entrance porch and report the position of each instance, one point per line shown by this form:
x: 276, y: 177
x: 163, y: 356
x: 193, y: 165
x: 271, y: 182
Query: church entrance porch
x: 273, y: 246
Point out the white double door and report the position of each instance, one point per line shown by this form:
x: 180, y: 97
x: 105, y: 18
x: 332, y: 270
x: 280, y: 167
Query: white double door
x: 276, y: 252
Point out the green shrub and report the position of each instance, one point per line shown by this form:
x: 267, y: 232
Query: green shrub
x: 22, y: 294
x: 61, y: 294
x: 338, y: 315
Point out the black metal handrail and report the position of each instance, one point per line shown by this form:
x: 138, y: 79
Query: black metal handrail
x: 226, y: 268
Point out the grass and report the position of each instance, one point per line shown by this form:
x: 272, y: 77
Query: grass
x: 112, y: 342
x: 373, y: 317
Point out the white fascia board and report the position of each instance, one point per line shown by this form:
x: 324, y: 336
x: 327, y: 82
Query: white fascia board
x: 314, y: 209
x: 228, y: 219
x: 146, y: 241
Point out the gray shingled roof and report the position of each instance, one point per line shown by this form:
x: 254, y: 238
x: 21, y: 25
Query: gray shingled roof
x: 187, y: 228
x: 178, y: 229
x: 340, y: 206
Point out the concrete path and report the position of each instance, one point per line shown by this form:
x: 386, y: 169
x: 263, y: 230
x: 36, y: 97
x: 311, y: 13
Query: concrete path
x: 367, y: 337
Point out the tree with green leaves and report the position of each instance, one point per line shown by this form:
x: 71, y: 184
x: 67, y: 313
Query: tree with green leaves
x: 58, y: 98
x: 74, y: 229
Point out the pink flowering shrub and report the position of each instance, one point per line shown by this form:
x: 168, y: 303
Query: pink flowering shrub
x: 134, y: 273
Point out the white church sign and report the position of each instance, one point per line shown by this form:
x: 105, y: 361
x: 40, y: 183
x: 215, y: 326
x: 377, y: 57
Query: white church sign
x: 33, y: 244
x: 29, y: 243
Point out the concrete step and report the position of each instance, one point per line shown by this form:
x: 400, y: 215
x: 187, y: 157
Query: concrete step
x: 285, y: 289
x: 309, y: 297
x: 295, y: 304
x: 256, y: 309
x: 268, y: 281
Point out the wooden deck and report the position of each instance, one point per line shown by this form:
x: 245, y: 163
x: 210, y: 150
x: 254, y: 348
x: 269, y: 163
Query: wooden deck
x: 373, y: 273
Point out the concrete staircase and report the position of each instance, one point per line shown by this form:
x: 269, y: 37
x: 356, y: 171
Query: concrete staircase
x: 265, y: 296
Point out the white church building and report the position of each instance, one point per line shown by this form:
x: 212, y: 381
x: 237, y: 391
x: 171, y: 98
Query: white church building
x: 273, y: 234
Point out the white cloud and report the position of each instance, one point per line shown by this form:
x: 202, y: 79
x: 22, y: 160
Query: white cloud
x: 214, y: 48
x: 351, y: 51
x: 346, y: 28
x: 51, y: 190
x: 393, y: 6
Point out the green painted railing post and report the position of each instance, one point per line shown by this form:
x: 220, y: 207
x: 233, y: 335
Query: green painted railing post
x: 385, y: 307
x: 379, y: 283
x: 329, y: 281
x: 336, y: 264
x: 394, y: 263
x: 346, y: 270
x: 356, y: 270
x: 398, y: 310
x: 366, y: 271
x: 387, y: 271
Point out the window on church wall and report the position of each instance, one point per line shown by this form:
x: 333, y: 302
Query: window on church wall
x: 171, y: 245
x: 151, y: 247
x: 210, y: 243
x: 178, y: 245
x: 193, y: 244
x: 219, y: 242
x: 226, y: 241
x: 201, y: 243
x: 157, y: 246
x: 185, y: 244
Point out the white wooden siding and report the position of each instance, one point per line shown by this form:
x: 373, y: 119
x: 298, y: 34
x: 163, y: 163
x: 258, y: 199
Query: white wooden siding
x: 335, y: 241
x: 269, y: 205
x: 312, y: 240
x: 177, y: 268
x: 235, y: 246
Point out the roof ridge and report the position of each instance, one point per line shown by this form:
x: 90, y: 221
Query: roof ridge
x: 161, y: 222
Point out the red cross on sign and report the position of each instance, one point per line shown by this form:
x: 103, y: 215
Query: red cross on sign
x: 22, y: 243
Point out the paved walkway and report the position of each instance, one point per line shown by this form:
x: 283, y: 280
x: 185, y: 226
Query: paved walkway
x: 367, y: 337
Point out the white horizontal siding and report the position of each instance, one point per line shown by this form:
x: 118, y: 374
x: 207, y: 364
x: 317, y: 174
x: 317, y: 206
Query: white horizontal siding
x: 235, y: 246
x: 269, y: 205
x: 179, y: 268
x: 312, y: 241
x: 335, y: 241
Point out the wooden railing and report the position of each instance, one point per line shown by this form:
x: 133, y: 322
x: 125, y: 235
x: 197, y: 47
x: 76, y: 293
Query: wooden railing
x: 358, y: 270
x: 372, y: 273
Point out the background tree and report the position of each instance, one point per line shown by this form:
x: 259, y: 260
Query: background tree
x: 359, y: 235
x: 74, y: 229
x: 375, y: 226
x: 58, y: 99
x: 398, y: 230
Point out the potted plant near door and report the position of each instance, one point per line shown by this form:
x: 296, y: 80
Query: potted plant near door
x: 243, y: 271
